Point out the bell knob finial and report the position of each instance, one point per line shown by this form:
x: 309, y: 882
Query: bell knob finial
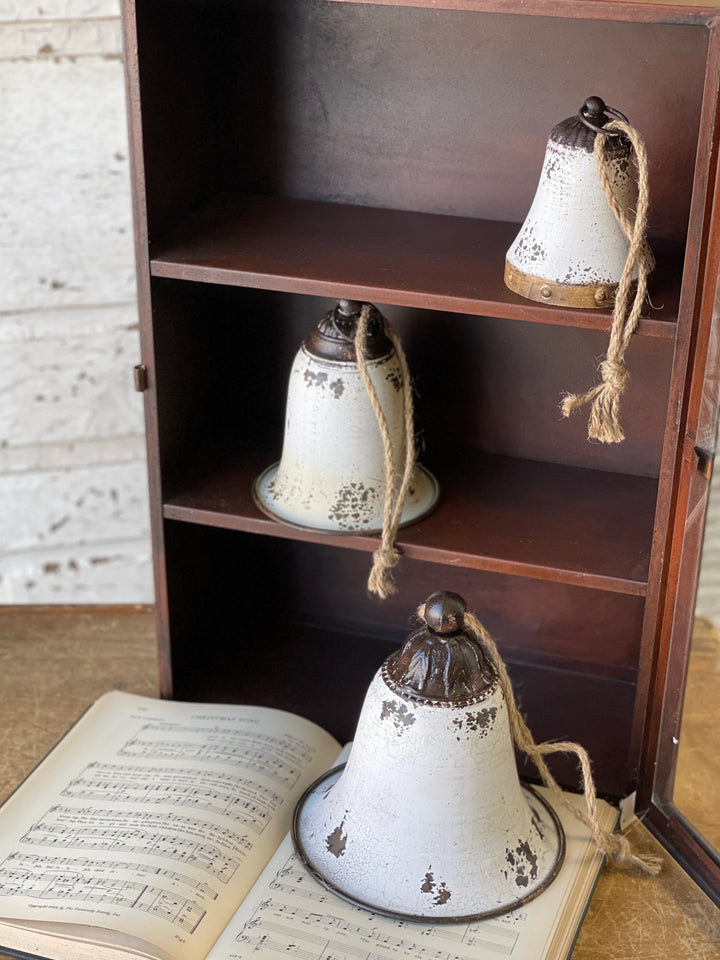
x: 444, y: 612
x: 349, y: 308
x: 594, y: 110
x: 442, y: 661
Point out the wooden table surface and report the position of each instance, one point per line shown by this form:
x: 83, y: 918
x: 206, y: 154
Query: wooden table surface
x: 54, y: 661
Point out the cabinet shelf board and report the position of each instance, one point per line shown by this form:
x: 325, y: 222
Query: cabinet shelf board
x: 543, y: 521
x: 647, y: 11
x: 427, y: 261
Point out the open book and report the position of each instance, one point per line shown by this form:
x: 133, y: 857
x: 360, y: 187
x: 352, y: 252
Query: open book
x: 160, y: 829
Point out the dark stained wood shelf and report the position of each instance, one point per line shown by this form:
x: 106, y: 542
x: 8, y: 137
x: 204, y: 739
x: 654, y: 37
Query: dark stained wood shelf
x: 395, y: 257
x: 649, y: 11
x: 497, y: 514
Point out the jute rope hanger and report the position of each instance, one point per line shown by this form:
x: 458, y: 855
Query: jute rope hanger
x: 387, y: 555
x: 604, y: 423
x: 610, y: 844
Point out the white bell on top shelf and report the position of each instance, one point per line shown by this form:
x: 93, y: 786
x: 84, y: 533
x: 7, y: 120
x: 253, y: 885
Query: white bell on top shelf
x: 571, y: 250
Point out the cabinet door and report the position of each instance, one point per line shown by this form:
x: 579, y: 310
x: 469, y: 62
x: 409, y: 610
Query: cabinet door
x: 682, y: 746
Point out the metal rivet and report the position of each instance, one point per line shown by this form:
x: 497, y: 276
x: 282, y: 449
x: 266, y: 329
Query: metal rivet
x: 545, y: 291
x: 600, y: 295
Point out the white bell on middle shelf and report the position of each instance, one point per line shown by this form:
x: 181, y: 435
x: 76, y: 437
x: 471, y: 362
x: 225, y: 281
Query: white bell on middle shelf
x: 331, y: 475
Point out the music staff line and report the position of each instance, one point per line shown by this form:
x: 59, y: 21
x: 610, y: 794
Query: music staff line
x: 329, y: 949
x: 189, y: 775
x: 134, y: 895
x: 25, y: 864
x: 248, y: 758
x: 284, y: 744
x: 441, y: 944
x: 279, y: 759
x: 298, y: 922
x: 501, y: 939
x: 205, y: 856
x: 240, y: 809
x: 83, y: 817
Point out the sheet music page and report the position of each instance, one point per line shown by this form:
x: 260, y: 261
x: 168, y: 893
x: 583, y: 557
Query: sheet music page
x: 154, y: 818
x: 288, y: 914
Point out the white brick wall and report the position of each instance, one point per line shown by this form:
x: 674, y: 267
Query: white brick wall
x: 73, y: 500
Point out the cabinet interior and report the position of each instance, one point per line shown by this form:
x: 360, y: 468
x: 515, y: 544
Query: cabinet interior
x: 295, y: 152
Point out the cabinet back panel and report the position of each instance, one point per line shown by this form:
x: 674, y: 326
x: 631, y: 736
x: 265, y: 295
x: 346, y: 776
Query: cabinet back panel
x: 407, y: 108
x: 513, y: 376
x: 291, y: 625
x: 533, y: 622
x: 224, y: 357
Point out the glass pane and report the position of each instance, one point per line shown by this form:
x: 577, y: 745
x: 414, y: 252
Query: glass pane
x: 697, y: 774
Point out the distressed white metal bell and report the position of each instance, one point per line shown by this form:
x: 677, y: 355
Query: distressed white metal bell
x: 571, y: 250
x: 429, y: 819
x: 331, y: 475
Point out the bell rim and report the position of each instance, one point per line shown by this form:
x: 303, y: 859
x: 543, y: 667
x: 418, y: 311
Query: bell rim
x: 317, y: 874
x: 596, y: 295
x: 422, y: 510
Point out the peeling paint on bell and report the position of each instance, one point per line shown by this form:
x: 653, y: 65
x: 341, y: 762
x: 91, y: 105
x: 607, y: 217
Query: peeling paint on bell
x: 571, y: 250
x: 429, y: 819
x: 331, y: 475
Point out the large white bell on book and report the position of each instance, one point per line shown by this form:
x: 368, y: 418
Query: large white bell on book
x: 571, y: 250
x: 429, y: 820
x: 331, y: 475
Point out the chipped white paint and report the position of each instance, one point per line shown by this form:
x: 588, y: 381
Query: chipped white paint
x: 331, y: 475
x: 67, y: 455
x: 66, y: 239
x: 73, y: 487
x: 64, y: 508
x: 429, y: 818
x: 114, y: 572
x: 49, y: 40
x: 70, y: 376
x: 31, y: 10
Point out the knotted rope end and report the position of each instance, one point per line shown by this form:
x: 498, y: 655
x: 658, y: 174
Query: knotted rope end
x: 619, y: 848
x: 605, y: 431
x: 604, y: 423
x: 380, y: 581
x: 647, y: 863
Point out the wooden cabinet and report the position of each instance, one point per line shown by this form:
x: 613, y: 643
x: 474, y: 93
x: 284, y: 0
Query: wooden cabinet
x: 289, y: 152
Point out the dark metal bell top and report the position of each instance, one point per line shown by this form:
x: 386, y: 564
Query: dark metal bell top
x: 580, y: 130
x: 442, y: 661
x: 334, y: 336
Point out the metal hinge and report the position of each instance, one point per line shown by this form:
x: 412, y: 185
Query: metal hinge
x: 705, y: 462
x: 140, y: 377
